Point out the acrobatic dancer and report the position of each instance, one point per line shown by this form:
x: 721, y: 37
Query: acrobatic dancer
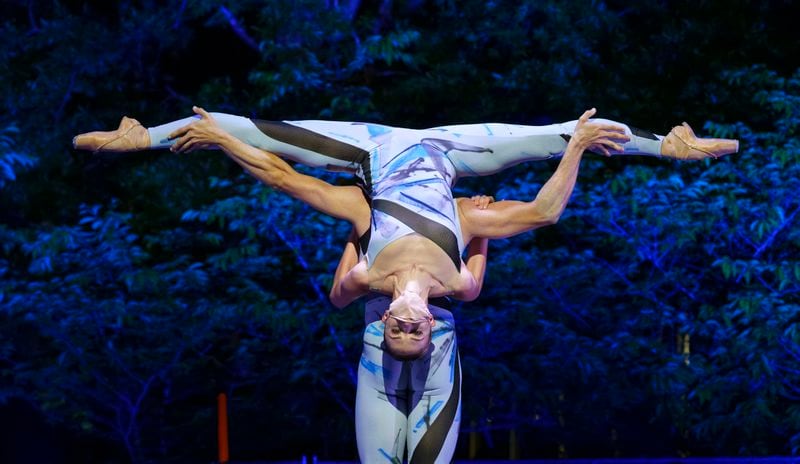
x: 417, y: 231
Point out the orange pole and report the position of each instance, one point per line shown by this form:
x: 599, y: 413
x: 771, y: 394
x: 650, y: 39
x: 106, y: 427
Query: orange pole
x: 222, y: 427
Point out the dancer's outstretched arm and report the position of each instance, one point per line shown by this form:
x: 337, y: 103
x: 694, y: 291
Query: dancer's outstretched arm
x: 506, y: 218
x: 342, y: 202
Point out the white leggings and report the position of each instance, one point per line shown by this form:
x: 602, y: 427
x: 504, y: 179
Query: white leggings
x: 409, y: 404
x: 473, y: 149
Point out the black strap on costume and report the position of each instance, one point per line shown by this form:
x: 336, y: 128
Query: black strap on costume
x: 432, y: 230
x: 431, y: 444
x: 318, y: 143
x: 643, y: 133
x: 363, y: 241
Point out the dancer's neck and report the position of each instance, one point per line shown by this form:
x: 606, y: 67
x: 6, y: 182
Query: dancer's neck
x: 415, y: 281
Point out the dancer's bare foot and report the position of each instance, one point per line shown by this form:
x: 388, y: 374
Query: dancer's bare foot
x: 130, y: 136
x: 682, y: 144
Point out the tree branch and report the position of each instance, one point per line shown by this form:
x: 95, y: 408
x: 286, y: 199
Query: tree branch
x: 238, y: 28
x: 323, y: 298
x: 67, y: 96
x: 32, y: 18
x: 768, y: 242
x: 179, y: 15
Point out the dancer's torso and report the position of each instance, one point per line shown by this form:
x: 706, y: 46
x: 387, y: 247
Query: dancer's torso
x: 414, y: 219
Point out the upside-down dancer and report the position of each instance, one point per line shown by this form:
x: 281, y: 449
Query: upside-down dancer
x: 412, y: 229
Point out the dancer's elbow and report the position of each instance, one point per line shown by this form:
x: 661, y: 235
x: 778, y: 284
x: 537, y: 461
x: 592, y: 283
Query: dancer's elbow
x: 551, y: 218
x: 336, y: 296
x: 336, y: 300
x: 469, y: 295
x: 278, y: 179
x: 352, y: 286
x: 541, y: 217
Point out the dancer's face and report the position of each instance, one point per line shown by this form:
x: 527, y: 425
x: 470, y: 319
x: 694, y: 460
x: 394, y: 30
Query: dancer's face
x: 407, y: 340
x: 408, y: 325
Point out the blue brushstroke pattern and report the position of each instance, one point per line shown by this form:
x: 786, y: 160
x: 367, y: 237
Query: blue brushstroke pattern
x: 375, y: 129
x: 371, y: 366
x: 430, y: 208
x: 393, y: 460
x: 373, y: 330
x: 430, y: 413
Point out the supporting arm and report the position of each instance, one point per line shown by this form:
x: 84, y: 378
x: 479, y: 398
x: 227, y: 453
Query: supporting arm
x: 506, y: 218
x: 350, y: 279
x: 474, y: 269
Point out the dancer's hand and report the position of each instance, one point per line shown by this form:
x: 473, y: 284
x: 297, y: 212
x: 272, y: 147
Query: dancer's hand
x: 482, y: 201
x: 203, y: 134
x: 598, y: 137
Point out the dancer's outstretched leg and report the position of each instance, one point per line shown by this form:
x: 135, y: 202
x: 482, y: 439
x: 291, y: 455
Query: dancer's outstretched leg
x: 474, y: 150
x: 435, y: 416
x: 484, y: 149
x: 331, y: 145
x: 381, y: 396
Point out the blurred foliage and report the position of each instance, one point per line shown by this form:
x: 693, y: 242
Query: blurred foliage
x: 659, y: 317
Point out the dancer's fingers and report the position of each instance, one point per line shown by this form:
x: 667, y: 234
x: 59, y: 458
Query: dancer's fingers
x: 482, y: 201
x: 611, y: 127
x: 603, y: 150
x: 599, y: 149
x: 190, y: 145
x: 587, y: 114
x: 615, y: 136
x: 203, y: 113
x: 608, y: 128
x: 613, y: 146
x: 182, y: 143
x: 179, y: 132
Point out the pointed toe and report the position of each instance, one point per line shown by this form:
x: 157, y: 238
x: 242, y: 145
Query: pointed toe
x: 129, y: 136
x: 682, y: 144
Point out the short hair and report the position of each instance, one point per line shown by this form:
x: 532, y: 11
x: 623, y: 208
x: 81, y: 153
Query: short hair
x: 410, y: 300
x: 404, y: 352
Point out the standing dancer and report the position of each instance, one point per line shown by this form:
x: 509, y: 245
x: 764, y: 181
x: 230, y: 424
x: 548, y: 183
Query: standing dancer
x: 408, y: 404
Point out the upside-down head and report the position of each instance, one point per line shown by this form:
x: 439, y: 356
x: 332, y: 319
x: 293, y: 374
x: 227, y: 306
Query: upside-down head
x: 408, y: 325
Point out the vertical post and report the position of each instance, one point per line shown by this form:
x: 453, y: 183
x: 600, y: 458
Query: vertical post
x: 562, y: 448
x: 473, y: 439
x: 686, y: 349
x: 513, y: 445
x: 222, y: 427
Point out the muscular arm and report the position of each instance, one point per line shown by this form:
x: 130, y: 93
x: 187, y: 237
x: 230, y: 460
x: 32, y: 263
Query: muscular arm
x: 506, y: 218
x: 350, y: 279
x: 341, y: 202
